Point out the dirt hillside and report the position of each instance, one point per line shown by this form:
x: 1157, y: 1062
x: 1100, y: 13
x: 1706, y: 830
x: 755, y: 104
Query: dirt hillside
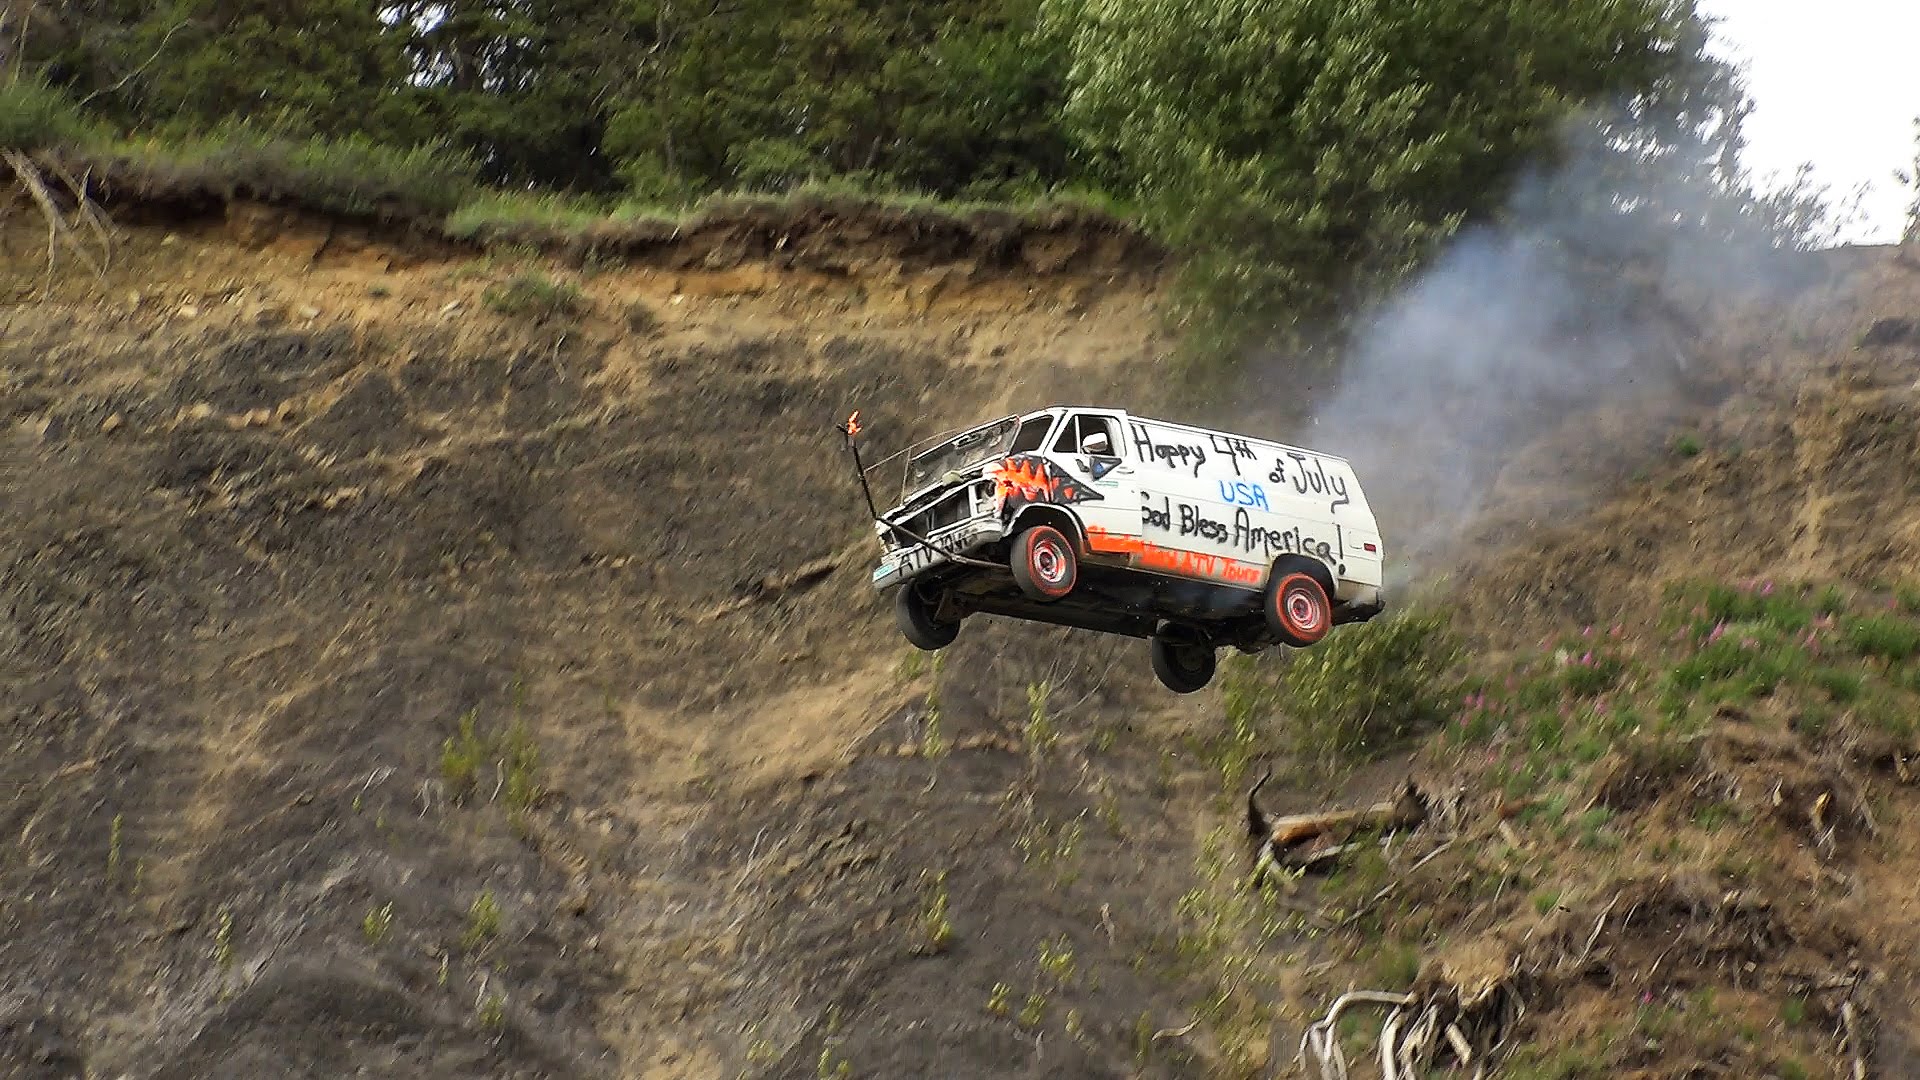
x: 419, y: 662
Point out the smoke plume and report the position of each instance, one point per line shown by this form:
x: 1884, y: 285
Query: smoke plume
x: 1544, y: 354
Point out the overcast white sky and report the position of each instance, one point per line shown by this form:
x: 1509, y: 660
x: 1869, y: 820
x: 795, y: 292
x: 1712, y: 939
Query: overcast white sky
x: 1836, y: 84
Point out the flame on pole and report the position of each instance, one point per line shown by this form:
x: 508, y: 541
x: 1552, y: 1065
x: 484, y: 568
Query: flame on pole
x: 851, y: 431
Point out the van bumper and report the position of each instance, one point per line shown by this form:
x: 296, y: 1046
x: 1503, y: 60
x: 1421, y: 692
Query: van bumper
x: 915, y: 559
x: 1365, y: 605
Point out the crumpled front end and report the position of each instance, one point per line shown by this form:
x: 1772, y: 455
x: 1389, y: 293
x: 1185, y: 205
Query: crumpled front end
x: 956, y: 518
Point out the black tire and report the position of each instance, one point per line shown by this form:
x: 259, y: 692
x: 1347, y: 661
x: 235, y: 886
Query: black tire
x: 916, y: 620
x: 1298, y: 610
x: 1043, y: 563
x: 1183, y: 667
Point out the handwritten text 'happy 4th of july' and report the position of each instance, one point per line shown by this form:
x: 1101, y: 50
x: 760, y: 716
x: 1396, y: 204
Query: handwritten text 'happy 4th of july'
x: 1305, y: 473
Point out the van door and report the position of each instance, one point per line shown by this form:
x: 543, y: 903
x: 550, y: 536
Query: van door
x: 1088, y: 446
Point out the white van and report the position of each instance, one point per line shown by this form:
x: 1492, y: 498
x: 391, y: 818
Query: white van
x: 1189, y: 537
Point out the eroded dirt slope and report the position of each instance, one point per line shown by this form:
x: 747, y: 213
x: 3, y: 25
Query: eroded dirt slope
x: 285, y: 504
x: 283, y: 508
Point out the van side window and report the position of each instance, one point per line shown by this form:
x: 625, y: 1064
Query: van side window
x: 1032, y: 434
x: 1073, y: 437
x: 1102, y: 425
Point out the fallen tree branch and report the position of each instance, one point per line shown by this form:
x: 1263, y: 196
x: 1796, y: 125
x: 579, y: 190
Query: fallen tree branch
x: 1324, y: 1040
x: 58, y: 228
x: 1406, y: 811
x: 1598, y: 925
x: 1850, y: 1028
x: 1300, y: 842
x: 1174, y: 1033
x: 87, y: 211
x: 1389, y: 1057
x: 1471, y: 1027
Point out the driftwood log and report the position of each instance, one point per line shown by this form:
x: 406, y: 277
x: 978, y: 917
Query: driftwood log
x: 1300, y: 842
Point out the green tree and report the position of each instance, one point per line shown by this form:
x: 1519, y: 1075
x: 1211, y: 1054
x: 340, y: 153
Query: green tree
x: 302, y: 67
x: 942, y: 96
x: 669, y: 98
x: 1306, y: 152
x: 520, y: 84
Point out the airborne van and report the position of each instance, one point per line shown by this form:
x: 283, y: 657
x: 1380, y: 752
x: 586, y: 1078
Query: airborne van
x: 1192, y: 538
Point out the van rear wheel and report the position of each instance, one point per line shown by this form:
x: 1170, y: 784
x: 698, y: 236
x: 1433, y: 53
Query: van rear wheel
x: 1182, y: 666
x: 1297, y: 608
x: 1043, y: 563
x: 915, y: 616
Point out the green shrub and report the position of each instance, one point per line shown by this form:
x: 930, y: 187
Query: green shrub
x: 1779, y: 609
x: 1843, y: 687
x: 483, y: 921
x: 1888, y: 713
x: 1743, y: 661
x: 34, y: 116
x: 1593, y: 675
x: 499, y: 212
x: 521, y: 759
x: 1368, y: 686
x: 354, y: 176
x: 461, y: 757
x: 533, y: 294
x: 512, y: 754
x: 1884, y: 637
x: 1908, y: 597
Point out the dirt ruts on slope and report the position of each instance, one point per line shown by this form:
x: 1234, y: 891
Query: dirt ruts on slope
x: 388, y: 678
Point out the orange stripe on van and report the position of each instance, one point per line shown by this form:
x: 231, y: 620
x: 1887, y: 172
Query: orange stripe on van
x: 1110, y: 543
x: 1184, y: 563
x: 1194, y: 564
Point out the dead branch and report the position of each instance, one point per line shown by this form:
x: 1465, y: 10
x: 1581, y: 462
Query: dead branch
x: 1389, y: 1037
x: 1599, y: 925
x: 1301, y: 842
x: 1404, y: 812
x: 1417, y: 1048
x: 58, y: 227
x: 1850, y: 1031
x: 135, y: 73
x: 1324, y: 1039
x: 1174, y: 1033
x: 86, y: 210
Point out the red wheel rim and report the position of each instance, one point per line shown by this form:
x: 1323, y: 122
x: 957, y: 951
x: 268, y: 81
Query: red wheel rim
x: 1301, y: 610
x: 1049, y: 562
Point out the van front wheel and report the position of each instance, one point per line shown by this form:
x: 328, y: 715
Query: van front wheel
x: 1043, y: 563
x: 1183, y: 667
x: 915, y: 616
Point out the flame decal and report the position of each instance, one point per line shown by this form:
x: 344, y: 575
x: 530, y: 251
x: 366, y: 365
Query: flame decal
x: 1022, y: 480
x: 853, y: 425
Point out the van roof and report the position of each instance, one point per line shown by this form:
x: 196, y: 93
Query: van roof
x: 1190, y: 427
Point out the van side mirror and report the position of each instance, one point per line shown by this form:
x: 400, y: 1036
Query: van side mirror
x: 1097, y: 443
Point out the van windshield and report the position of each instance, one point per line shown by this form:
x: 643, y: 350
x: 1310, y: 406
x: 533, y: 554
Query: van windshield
x: 961, y: 452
